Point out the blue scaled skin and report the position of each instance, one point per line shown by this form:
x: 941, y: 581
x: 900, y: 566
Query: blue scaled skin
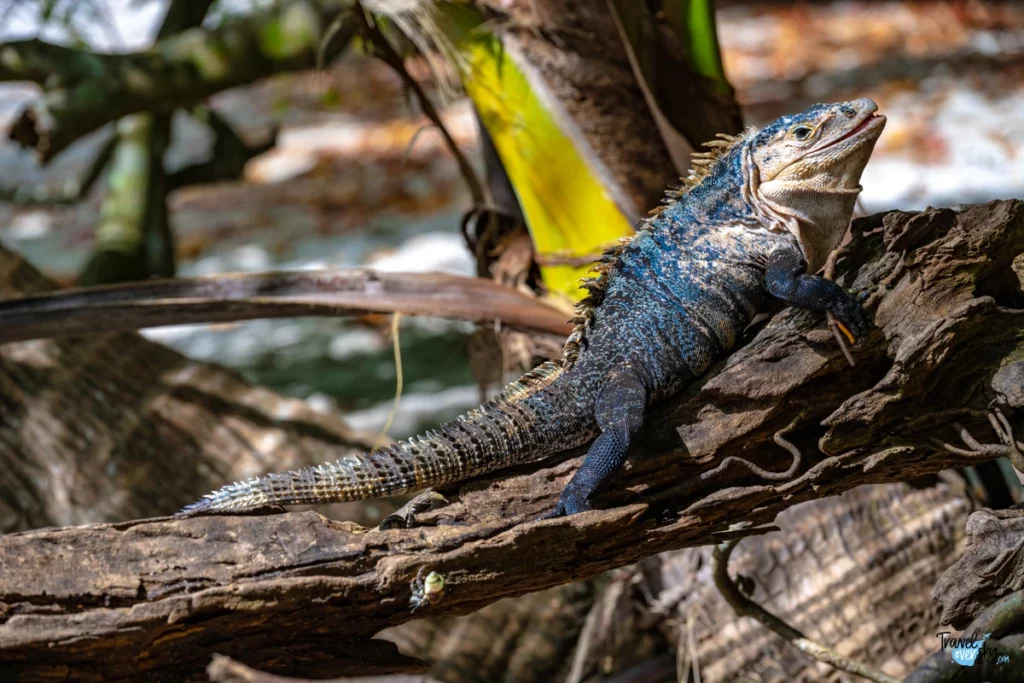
x: 680, y: 293
x: 756, y: 218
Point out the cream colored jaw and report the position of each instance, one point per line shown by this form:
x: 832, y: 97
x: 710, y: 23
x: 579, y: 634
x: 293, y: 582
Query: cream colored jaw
x: 861, y: 133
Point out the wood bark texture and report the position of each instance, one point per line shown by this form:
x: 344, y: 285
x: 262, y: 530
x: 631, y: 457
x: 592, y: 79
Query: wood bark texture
x: 853, y: 572
x: 301, y: 595
x: 991, y: 567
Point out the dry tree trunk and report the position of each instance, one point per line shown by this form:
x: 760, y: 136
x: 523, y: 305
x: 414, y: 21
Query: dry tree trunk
x: 852, y: 572
x: 582, y: 60
x: 298, y: 594
x: 581, y: 55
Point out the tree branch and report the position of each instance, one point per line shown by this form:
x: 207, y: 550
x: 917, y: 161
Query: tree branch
x: 991, y: 567
x: 84, y: 90
x: 119, y: 427
x: 285, y: 593
x: 229, y: 298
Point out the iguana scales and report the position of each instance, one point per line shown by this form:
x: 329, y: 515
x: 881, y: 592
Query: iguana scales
x: 756, y: 217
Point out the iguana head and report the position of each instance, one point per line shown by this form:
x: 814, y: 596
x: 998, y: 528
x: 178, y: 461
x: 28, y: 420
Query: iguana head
x: 803, y: 172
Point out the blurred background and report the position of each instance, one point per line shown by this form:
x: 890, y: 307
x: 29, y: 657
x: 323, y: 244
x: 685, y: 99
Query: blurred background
x: 322, y: 154
x: 359, y: 177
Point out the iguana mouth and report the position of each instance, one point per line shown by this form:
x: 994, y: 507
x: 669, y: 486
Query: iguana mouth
x: 870, y: 122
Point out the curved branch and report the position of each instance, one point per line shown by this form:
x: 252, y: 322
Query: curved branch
x: 1000, y: 659
x: 83, y: 90
x: 229, y: 298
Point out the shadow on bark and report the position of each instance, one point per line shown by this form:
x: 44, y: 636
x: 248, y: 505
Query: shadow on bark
x: 298, y: 594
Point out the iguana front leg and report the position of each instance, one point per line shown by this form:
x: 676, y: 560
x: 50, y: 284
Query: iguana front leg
x: 788, y: 281
x: 620, y: 409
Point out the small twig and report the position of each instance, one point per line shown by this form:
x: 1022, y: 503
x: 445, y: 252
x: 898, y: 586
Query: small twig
x: 387, y: 53
x: 1004, y: 431
x: 833, y: 323
x: 565, y: 258
x: 396, y: 343
x: 745, y: 607
x: 691, y: 644
x: 481, y: 205
x: 691, y: 485
x: 332, y: 31
x: 1008, y: 447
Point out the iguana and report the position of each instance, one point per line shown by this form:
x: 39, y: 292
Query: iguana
x: 755, y: 218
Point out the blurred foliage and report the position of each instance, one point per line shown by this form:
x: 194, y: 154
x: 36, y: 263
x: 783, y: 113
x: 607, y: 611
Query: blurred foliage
x: 694, y: 24
x: 567, y: 207
x: 70, y: 15
x: 131, y: 240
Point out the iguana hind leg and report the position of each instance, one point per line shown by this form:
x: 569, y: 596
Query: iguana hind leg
x: 620, y: 415
x: 405, y: 517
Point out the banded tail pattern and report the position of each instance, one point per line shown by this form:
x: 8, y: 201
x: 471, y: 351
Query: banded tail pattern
x: 498, y: 434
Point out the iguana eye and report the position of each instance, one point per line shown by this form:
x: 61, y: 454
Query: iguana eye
x: 801, y: 132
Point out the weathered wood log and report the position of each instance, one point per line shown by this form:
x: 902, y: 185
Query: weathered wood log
x: 286, y: 593
x: 992, y: 566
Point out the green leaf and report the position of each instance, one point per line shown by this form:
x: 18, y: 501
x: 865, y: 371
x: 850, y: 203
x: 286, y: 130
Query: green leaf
x: 563, y: 189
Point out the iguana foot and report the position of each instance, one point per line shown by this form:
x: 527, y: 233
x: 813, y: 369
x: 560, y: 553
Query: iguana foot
x: 568, y: 504
x: 787, y: 281
x: 405, y: 517
x: 850, y: 314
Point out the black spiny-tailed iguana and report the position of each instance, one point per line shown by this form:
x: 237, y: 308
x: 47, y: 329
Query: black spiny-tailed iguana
x: 756, y: 218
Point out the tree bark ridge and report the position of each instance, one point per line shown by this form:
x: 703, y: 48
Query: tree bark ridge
x: 283, y: 592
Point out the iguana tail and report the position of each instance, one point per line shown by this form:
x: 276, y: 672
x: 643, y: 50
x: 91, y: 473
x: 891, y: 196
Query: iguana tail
x: 508, y: 430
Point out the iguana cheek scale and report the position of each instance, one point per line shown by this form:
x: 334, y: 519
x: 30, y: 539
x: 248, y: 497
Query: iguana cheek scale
x: 755, y: 218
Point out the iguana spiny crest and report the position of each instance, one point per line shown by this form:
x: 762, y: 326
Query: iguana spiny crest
x: 665, y: 305
x: 800, y: 174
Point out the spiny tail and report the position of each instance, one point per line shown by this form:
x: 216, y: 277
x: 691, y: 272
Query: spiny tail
x: 503, y: 432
